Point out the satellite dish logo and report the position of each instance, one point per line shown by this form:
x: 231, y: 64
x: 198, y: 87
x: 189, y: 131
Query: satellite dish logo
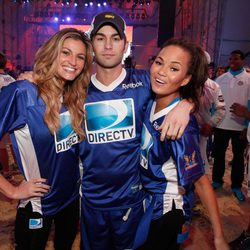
x: 146, y: 144
x: 35, y: 223
x: 110, y: 121
x: 65, y: 137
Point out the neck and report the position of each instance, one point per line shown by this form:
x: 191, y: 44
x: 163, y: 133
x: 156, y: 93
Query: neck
x: 106, y: 76
x: 236, y: 72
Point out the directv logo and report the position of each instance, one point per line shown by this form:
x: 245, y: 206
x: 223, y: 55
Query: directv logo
x: 35, y: 223
x: 110, y: 121
x: 65, y: 137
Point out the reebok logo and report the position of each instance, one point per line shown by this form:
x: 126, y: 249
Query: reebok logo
x: 132, y: 85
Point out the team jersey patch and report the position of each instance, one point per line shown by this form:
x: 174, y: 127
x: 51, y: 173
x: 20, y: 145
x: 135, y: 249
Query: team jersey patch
x: 190, y: 161
x: 110, y: 121
x: 35, y: 223
x: 65, y: 137
x: 146, y: 144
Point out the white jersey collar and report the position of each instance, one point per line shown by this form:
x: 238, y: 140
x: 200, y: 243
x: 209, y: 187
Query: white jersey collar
x: 111, y: 86
x: 154, y: 116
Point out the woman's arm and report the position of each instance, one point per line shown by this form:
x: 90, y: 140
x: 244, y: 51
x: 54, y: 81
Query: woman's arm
x: 26, y: 189
x: 208, y: 199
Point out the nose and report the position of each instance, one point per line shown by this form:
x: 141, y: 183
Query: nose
x: 162, y: 71
x: 108, y: 44
x: 73, y: 60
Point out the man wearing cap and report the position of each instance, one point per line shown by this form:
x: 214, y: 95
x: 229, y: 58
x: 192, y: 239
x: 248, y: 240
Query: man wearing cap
x: 112, y: 194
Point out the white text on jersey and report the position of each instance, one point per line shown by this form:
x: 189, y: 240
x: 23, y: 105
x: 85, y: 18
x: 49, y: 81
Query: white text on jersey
x: 132, y: 85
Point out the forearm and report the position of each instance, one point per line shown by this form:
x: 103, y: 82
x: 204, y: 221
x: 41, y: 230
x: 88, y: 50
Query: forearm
x: 208, y: 199
x: 187, y: 104
x: 240, y: 110
x: 217, y: 117
x: 6, y: 188
x: 247, y: 114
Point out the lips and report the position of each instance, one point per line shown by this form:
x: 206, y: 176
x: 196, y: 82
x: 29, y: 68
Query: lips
x: 108, y: 55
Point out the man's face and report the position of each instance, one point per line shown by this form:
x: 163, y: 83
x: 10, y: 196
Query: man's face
x: 108, y: 47
x: 236, y: 62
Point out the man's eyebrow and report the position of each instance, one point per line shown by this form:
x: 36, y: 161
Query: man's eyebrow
x: 99, y: 34
x: 102, y: 34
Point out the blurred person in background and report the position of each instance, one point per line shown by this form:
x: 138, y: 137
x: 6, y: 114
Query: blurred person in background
x: 235, y: 87
x: 210, y: 113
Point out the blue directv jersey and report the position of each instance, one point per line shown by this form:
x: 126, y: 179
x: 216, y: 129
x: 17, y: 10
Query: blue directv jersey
x: 111, y: 152
x: 40, y: 153
x: 170, y: 168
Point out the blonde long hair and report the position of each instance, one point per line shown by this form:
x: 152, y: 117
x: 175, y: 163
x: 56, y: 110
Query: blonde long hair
x: 52, y: 88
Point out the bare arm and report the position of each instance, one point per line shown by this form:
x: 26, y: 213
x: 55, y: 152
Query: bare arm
x: 240, y: 110
x: 207, y: 196
x: 26, y: 189
x: 176, y: 121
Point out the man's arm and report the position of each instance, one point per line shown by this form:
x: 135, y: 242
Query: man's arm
x: 176, y: 121
x: 240, y: 110
x: 27, y: 75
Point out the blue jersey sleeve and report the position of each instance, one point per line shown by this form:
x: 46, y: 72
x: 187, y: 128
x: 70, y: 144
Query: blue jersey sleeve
x: 186, y: 154
x: 12, y: 108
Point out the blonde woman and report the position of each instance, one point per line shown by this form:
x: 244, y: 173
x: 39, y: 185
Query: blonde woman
x: 45, y: 121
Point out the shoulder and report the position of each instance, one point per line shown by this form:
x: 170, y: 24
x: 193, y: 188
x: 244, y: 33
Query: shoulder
x: 21, y: 88
x: 210, y: 84
x: 138, y: 72
x: 6, y: 77
x: 139, y: 75
x: 246, y: 74
x: 223, y: 77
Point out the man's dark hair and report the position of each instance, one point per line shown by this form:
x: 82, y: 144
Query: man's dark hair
x: 239, y: 52
x: 3, y: 61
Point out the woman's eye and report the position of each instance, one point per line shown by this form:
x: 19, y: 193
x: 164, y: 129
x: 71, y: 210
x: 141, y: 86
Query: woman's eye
x: 174, y: 69
x: 81, y: 58
x: 158, y: 63
x: 65, y: 52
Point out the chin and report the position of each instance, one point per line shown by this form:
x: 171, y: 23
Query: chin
x: 69, y: 78
x: 157, y: 89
